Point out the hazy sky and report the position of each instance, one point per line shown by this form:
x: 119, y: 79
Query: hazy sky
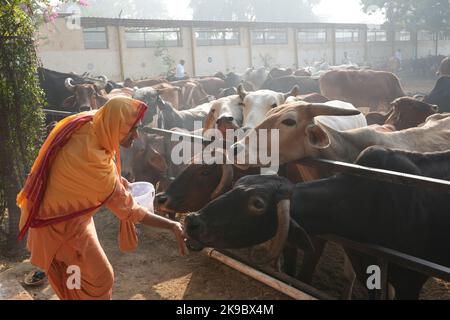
x: 346, y: 11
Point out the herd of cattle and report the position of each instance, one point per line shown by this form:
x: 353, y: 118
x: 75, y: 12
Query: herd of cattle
x: 232, y: 207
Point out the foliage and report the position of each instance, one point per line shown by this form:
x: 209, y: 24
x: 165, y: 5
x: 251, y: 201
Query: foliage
x: 254, y: 10
x: 267, y: 60
x: 21, y: 104
x: 413, y: 14
x: 167, y: 60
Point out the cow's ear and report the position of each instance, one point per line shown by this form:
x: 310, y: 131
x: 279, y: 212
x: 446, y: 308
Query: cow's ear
x: 157, y: 161
x: 293, y: 93
x: 69, y: 102
x: 317, y: 137
x: 241, y: 92
x: 209, y: 123
x: 299, y: 238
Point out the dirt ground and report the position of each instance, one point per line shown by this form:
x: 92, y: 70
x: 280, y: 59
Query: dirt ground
x: 156, y: 270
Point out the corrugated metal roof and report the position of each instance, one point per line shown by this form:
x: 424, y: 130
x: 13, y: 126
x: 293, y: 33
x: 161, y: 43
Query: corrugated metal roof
x: 91, y: 22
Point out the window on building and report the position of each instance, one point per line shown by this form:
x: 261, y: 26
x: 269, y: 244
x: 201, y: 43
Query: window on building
x: 270, y: 36
x: 95, y: 38
x: 347, y: 35
x: 376, y: 35
x: 150, y: 38
x: 402, y: 36
x: 221, y: 37
x: 444, y: 36
x: 424, y: 35
x: 312, y: 36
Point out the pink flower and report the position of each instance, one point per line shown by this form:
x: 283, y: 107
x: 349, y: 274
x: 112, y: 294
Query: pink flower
x: 83, y: 3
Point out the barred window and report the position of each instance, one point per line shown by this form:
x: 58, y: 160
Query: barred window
x: 402, y: 35
x: 270, y: 36
x: 150, y: 38
x: 312, y: 36
x: 376, y: 35
x: 424, y: 35
x: 217, y: 37
x: 347, y: 35
x: 95, y: 38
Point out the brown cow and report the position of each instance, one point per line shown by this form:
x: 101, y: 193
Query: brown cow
x: 444, y: 68
x: 364, y: 88
x: 85, y: 96
x: 143, y: 83
x: 311, y: 97
x: 191, y: 94
x: 212, y: 85
x: 169, y: 93
x: 406, y: 113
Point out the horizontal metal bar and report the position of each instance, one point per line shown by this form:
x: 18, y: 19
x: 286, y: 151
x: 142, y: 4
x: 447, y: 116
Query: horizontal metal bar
x: 164, y: 132
x: 280, y: 276
x: 58, y: 113
x: 398, y: 258
x: 380, y: 174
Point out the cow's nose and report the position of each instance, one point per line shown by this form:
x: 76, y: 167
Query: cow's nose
x: 85, y: 108
x: 161, y: 198
x: 224, y: 119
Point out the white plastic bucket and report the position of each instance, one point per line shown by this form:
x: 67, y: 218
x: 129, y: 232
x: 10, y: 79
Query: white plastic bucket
x: 143, y: 193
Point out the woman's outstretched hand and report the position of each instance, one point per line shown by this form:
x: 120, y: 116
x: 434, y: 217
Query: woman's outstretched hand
x: 178, y: 231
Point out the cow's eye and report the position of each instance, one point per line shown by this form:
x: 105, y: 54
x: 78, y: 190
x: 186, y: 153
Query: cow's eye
x: 274, y: 105
x: 289, y: 122
x: 257, y: 205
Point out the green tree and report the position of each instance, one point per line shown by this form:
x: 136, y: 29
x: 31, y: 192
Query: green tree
x: 254, y: 10
x: 432, y: 15
x: 21, y: 115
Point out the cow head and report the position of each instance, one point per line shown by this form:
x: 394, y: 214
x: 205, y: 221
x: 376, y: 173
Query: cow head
x: 408, y: 113
x: 256, y: 104
x: 299, y: 135
x: 256, y: 210
x: 85, y: 96
x: 225, y: 113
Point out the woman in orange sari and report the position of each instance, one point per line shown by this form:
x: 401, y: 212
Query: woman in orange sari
x: 76, y: 172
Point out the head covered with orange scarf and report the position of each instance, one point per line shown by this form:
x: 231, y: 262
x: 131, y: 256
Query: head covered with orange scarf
x: 78, y: 166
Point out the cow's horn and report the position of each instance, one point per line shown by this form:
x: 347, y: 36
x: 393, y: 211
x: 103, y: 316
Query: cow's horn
x: 278, y: 242
x: 68, y: 84
x: 225, y: 181
x: 101, y: 84
x: 319, y: 109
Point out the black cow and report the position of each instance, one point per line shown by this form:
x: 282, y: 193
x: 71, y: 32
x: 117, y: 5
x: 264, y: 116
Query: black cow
x: 440, y: 95
x: 53, y: 84
x: 408, y: 219
x: 284, y: 84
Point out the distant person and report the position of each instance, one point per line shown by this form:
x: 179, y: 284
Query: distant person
x: 180, y: 74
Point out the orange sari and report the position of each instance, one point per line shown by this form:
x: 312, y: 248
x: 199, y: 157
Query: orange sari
x: 76, y: 172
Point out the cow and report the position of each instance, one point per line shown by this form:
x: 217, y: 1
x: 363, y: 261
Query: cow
x: 212, y: 85
x: 169, y: 117
x: 191, y: 94
x: 440, y: 95
x: 303, y: 72
x: 227, y: 92
x: 143, y: 83
x: 301, y: 136
x: 404, y: 218
x: 276, y: 73
x: 169, y: 93
x: 311, y: 97
x: 225, y: 114
x: 85, y: 96
x: 256, y: 77
x: 444, y: 68
x: 53, y: 85
x: 256, y: 104
x: 363, y: 89
x: 283, y: 84
x: 406, y: 113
